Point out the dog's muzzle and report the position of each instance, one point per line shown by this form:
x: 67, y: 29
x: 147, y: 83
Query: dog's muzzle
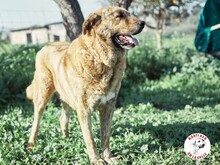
x: 127, y: 41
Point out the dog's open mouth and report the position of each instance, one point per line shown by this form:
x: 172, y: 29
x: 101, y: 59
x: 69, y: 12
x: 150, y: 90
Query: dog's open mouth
x: 125, y: 41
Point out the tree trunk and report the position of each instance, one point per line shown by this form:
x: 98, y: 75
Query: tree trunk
x: 158, y: 38
x: 121, y: 3
x: 72, y: 17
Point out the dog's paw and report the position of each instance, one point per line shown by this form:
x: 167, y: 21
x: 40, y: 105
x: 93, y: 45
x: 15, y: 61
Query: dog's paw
x: 98, y: 162
x: 112, y: 160
x: 30, y: 147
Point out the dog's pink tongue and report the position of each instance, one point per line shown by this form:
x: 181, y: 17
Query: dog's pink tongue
x: 129, y: 40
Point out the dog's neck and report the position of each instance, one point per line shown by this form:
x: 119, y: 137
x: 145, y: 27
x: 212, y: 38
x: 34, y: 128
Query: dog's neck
x: 100, y: 51
x: 98, y: 60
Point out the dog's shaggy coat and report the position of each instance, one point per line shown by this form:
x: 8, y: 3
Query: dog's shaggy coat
x: 87, y: 75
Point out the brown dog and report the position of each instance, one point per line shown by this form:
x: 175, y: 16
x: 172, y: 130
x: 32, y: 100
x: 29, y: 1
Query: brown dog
x: 87, y: 75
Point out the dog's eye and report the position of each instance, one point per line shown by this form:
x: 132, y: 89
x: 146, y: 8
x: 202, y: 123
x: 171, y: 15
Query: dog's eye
x: 121, y: 15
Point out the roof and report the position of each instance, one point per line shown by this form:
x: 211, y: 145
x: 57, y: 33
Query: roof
x: 37, y: 27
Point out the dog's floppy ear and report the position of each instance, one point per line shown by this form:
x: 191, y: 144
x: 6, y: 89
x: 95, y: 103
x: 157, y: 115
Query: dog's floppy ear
x: 92, y: 20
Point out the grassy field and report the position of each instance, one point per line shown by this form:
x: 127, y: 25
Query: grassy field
x: 150, y: 136
x: 165, y: 97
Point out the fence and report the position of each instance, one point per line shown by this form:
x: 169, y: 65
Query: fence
x: 15, y: 19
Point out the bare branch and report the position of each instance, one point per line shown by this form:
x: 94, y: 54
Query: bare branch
x: 121, y: 3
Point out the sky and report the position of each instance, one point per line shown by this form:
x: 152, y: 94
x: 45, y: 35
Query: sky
x: 16, y: 14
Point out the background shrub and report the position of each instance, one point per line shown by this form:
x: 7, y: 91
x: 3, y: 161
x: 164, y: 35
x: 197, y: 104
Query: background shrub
x: 16, y: 71
x: 171, y: 78
x: 147, y: 62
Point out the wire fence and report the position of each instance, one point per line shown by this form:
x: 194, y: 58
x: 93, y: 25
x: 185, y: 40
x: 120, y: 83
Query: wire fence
x: 15, y: 19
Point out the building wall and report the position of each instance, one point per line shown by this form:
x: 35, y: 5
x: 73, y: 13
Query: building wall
x: 49, y: 33
x: 38, y: 36
x: 57, y: 30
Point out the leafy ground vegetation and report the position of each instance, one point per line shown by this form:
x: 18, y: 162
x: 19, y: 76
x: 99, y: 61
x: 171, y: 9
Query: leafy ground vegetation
x: 165, y: 97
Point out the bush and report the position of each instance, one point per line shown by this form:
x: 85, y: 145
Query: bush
x: 146, y: 62
x: 172, y: 78
x: 16, y: 71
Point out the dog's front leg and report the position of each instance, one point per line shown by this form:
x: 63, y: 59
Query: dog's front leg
x: 84, y: 118
x: 106, y: 114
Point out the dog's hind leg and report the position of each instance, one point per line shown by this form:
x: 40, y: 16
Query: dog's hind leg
x: 64, y: 119
x: 43, y: 88
x: 29, y: 92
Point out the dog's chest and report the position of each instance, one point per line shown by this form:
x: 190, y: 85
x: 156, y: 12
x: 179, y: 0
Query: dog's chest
x: 95, y: 101
x: 98, y: 98
x: 106, y: 90
x: 103, y: 99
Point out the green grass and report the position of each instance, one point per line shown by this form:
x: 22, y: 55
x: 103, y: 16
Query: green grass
x: 141, y: 134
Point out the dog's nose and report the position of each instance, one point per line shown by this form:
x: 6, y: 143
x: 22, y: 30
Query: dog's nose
x: 142, y: 23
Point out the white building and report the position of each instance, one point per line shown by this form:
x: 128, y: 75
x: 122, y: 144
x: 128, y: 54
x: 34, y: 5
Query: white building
x: 39, y: 34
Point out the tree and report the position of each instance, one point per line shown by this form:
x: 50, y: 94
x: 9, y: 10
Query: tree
x: 72, y: 17
x: 161, y: 11
x: 121, y: 3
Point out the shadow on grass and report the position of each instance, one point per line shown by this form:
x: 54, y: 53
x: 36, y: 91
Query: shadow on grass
x: 170, y: 99
x: 167, y: 136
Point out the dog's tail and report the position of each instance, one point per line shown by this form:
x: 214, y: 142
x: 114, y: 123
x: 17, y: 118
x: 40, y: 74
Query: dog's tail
x: 29, y: 92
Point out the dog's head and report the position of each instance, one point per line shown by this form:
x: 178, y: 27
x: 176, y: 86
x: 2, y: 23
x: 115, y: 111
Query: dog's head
x: 199, y: 143
x: 115, y: 26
